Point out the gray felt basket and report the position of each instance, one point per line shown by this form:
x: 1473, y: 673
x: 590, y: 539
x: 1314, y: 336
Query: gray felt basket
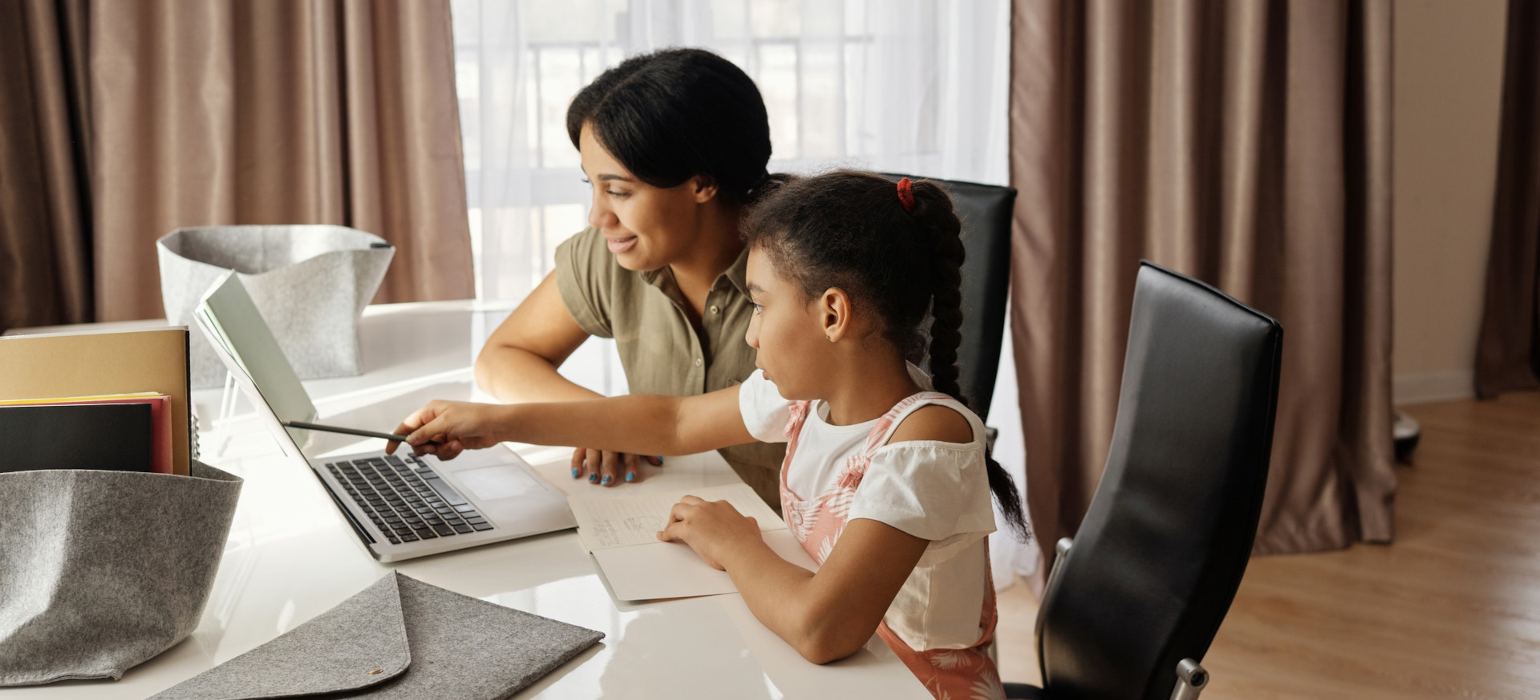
x: 311, y: 284
x: 103, y: 570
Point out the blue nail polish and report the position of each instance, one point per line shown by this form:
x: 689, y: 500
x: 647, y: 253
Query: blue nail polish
x: 607, y: 479
x: 574, y: 472
x: 630, y: 477
x: 593, y: 478
x: 660, y: 460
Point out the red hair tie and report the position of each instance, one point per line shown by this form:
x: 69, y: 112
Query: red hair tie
x: 906, y: 194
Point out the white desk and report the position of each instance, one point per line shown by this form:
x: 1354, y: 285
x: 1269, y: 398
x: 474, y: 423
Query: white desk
x: 291, y: 556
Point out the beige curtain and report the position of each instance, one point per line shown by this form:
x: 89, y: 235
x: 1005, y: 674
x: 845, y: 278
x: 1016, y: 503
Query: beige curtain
x: 1246, y: 144
x: 1508, y: 352
x: 45, y: 249
x: 209, y: 112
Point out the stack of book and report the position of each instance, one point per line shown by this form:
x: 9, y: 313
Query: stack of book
x: 115, y: 401
x: 117, y: 432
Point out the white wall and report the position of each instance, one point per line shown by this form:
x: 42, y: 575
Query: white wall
x: 1448, y: 85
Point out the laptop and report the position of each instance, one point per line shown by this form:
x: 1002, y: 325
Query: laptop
x: 401, y: 506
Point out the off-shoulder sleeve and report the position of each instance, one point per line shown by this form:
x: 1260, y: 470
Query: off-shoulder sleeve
x: 765, y: 412
x: 932, y: 490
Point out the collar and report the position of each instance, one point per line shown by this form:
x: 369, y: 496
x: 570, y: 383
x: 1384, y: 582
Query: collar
x: 736, y: 274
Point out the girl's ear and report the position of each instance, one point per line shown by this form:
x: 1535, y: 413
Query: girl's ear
x: 704, y: 188
x: 834, y: 313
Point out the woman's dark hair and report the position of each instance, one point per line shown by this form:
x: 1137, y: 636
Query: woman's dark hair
x: 674, y: 114
x: 851, y: 230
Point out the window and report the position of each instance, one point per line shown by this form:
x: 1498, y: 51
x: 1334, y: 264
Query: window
x: 911, y: 86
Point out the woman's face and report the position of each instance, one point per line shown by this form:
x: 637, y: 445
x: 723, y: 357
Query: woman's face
x: 786, y: 330
x: 645, y: 227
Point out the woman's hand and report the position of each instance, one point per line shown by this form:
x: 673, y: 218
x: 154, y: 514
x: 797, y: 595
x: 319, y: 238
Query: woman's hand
x: 609, y: 468
x: 447, y: 428
x: 714, y: 529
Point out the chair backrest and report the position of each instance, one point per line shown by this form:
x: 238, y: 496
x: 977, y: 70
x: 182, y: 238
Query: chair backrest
x: 985, y: 211
x: 1164, y: 544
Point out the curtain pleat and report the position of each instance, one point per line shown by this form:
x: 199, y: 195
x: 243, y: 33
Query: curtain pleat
x: 1245, y: 144
x: 45, y: 252
x: 125, y: 120
x: 1508, y: 349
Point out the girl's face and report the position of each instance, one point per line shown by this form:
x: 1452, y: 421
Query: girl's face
x: 786, y: 330
x: 645, y: 227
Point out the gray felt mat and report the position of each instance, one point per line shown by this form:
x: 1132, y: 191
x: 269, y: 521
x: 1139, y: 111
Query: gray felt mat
x: 399, y: 638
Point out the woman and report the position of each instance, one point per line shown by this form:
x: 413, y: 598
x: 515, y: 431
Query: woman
x: 674, y: 145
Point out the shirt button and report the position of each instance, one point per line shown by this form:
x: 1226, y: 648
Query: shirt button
x: 697, y: 362
x: 715, y: 309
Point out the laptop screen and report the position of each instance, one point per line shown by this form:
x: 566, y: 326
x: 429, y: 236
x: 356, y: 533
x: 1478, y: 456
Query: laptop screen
x: 242, y: 339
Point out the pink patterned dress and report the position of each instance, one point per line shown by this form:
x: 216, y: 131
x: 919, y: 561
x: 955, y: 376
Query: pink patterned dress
x: 818, y: 520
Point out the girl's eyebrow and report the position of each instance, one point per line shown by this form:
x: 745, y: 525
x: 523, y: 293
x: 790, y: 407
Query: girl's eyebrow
x: 755, y: 289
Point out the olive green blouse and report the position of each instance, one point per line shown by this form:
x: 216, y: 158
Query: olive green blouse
x: 660, y: 349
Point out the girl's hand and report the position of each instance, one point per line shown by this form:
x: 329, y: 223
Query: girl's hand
x: 609, y: 468
x: 447, y: 428
x: 714, y: 529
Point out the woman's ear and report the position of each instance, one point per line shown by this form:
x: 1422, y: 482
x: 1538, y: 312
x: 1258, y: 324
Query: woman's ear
x: 704, y: 188
x: 834, y: 313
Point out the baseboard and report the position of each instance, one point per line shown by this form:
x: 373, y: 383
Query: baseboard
x: 1433, y: 386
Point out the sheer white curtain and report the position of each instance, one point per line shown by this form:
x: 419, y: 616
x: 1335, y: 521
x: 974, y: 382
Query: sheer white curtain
x: 915, y: 86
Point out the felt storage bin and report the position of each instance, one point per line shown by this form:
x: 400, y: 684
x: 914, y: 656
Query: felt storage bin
x: 103, y: 570
x: 310, y: 282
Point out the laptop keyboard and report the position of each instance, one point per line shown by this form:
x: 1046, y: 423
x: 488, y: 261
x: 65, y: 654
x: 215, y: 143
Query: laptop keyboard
x: 406, y: 499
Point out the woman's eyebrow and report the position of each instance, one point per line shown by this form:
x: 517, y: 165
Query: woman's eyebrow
x: 607, y: 177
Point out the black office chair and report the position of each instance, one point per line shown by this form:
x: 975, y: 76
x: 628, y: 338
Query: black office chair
x: 985, y: 211
x: 1134, y: 601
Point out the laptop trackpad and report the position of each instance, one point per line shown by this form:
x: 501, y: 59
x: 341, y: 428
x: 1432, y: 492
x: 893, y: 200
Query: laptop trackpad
x: 492, y: 483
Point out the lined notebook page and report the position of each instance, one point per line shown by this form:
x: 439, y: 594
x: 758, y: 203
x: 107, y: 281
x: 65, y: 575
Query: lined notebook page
x: 609, y: 522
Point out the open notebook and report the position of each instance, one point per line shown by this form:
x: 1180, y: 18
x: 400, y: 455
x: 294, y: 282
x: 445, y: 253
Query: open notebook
x: 621, y: 534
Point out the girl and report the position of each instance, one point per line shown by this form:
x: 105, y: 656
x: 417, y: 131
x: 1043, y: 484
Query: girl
x: 674, y: 145
x: 885, y: 483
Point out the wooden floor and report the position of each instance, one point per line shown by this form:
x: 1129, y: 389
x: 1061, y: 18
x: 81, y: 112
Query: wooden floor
x: 1451, y: 609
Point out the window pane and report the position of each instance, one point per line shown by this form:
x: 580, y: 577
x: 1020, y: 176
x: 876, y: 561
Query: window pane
x: 777, y: 78
x: 775, y: 18
x: 823, y: 99
x: 559, y: 79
